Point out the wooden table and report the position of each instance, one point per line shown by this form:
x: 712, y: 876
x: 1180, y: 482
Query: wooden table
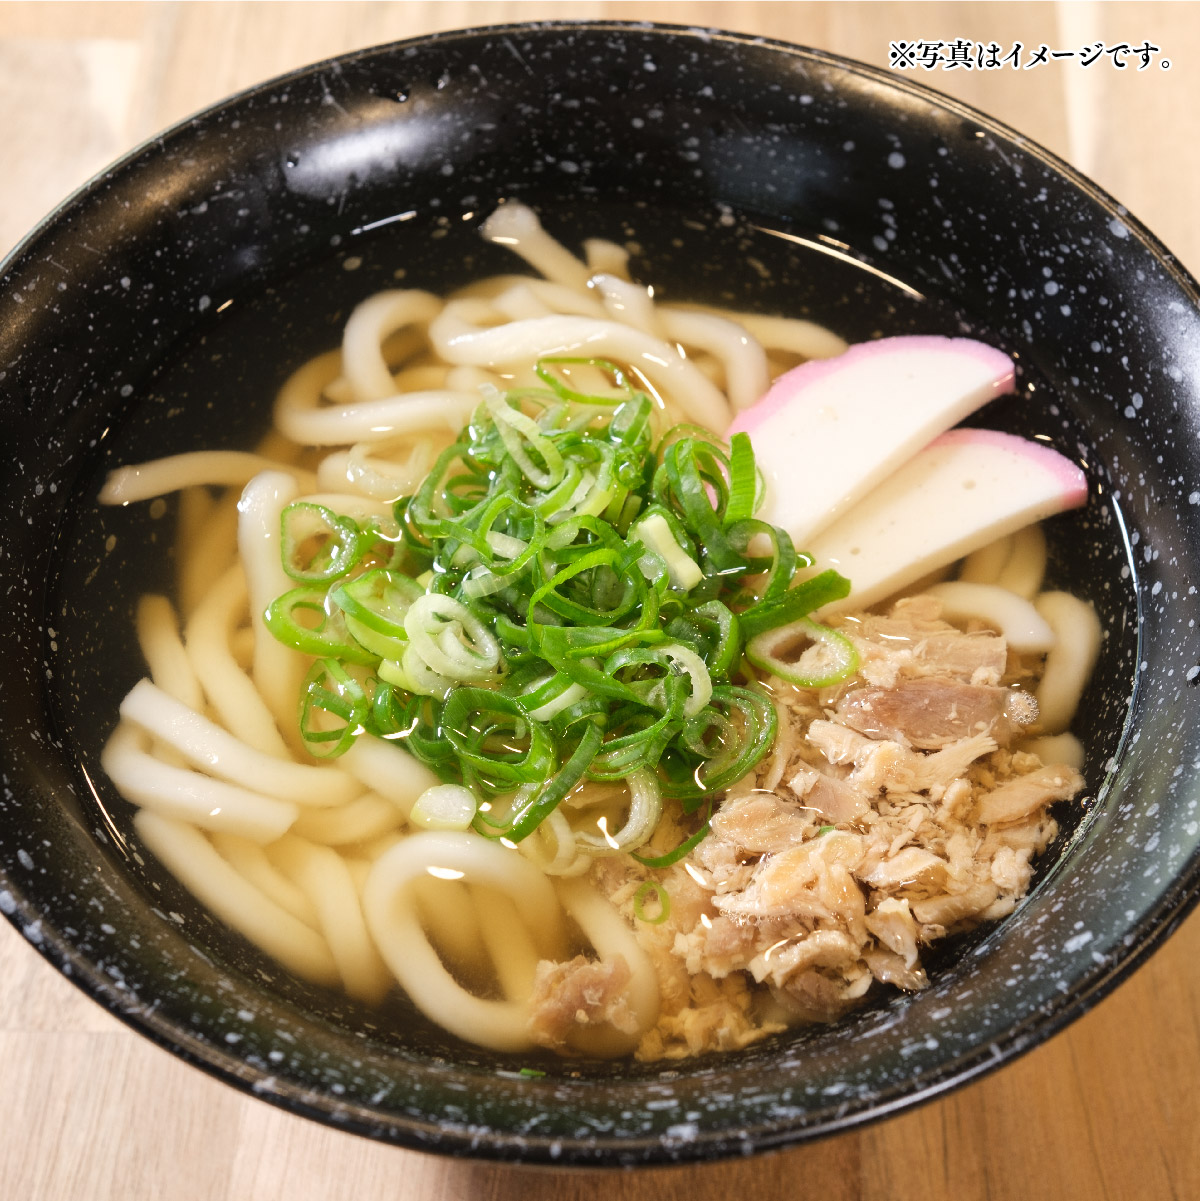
x: 1110, y: 1109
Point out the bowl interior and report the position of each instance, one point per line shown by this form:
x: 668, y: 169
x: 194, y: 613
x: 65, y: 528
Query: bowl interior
x: 234, y: 248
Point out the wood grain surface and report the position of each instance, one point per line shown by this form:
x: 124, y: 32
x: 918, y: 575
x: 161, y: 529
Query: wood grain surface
x: 1110, y: 1109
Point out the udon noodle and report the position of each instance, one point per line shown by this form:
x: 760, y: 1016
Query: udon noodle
x: 356, y: 873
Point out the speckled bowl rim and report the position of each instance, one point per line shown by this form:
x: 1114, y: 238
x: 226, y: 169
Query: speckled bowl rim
x: 1174, y: 904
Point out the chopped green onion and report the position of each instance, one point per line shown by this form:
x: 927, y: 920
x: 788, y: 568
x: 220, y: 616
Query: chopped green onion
x: 379, y: 645
x: 450, y: 640
x: 547, y: 798
x: 614, y: 376
x: 333, y: 709
x: 565, y: 601
x: 719, y: 745
x: 521, y: 434
x: 783, y: 562
x: 444, y: 807
x: 714, y: 632
x: 652, y: 888
x: 379, y: 599
x: 305, y: 620
x: 645, y: 810
x: 796, y: 602
x: 835, y: 658
x: 495, y: 739
x: 550, y: 696
x: 683, y: 849
x: 744, y: 486
x: 656, y: 535
x: 317, y: 544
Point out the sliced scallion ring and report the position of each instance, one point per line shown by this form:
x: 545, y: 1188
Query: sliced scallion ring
x: 684, y: 849
x: 451, y: 640
x: 304, y: 620
x: 333, y: 708
x: 651, y: 888
x: 379, y: 599
x: 829, y: 659
x: 318, y: 544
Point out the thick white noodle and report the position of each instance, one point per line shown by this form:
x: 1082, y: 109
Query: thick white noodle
x: 540, y: 297
x: 983, y: 566
x: 277, y: 670
x: 606, y: 258
x: 380, y: 420
x: 1023, y: 627
x: 1069, y: 665
x: 375, y: 475
x: 367, y: 817
x: 447, y: 913
x: 631, y: 304
x: 490, y: 286
x: 521, y: 303
x: 645, y: 809
x: 393, y: 921
x: 388, y: 769
x: 791, y: 334
x: 163, y: 650
x: 1026, y: 566
x: 307, y: 387
x: 509, y: 944
x: 229, y: 689
x: 368, y: 326
x: 518, y: 228
x: 205, y: 745
x: 1057, y: 748
x: 209, y: 555
x: 326, y: 880
x: 471, y: 379
x: 249, y: 859
x: 194, y: 861
x: 553, y: 848
x: 233, y: 468
x: 333, y: 471
x: 299, y: 413
x: 611, y: 938
x: 457, y: 336
x: 186, y: 795
x: 743, y: 359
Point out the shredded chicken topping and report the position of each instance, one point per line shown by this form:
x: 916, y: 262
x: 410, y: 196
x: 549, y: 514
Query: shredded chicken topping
x: 579, y: 993
x: 897, y: 808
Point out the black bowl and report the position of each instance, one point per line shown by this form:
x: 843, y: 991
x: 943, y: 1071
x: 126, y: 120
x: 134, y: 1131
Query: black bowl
x: 158, y: 309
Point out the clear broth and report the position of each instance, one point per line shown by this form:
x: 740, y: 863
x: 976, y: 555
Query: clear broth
x: 216, y: 390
